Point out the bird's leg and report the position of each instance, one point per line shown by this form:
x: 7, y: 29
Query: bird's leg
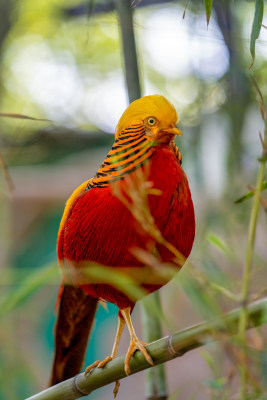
x: 101, y: 364
x: 135, y: 343
x: 121, y: 325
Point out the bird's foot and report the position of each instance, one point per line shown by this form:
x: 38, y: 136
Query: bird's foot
x: 101, y: 364
x: 98, y: 364
x: 136, y: 344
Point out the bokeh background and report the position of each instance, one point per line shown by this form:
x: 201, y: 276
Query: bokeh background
x: 61, y: 61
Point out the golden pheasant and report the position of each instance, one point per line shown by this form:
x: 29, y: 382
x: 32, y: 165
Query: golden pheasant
x: 98, y: 227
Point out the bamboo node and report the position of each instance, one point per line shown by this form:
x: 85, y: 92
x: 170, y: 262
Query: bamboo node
x: 76, y: 387
x: 171, y: 349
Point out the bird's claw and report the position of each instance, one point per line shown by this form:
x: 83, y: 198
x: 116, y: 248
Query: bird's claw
x: 101, y: 364
x: 90, y: 367
x: 136, y: 344
x: 116, y: 388
x: 97, y: 364
x: 104, y: 362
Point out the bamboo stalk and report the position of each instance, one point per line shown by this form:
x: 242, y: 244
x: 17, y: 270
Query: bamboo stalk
x: 243, y: 320
x: 161, y: 351
x: 124, y: 11
x: 156, y: 387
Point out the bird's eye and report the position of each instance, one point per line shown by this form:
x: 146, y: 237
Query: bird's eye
x: 151, y: 121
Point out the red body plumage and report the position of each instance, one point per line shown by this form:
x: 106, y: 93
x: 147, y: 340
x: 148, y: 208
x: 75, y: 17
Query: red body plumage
x: 101, y: 229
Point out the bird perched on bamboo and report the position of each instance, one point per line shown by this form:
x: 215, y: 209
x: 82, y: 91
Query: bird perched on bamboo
x: 100, y: 226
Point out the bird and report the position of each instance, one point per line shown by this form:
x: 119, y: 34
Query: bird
x: 100, y: 226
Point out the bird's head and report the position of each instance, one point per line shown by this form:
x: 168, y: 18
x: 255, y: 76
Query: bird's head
x: 156, y: 113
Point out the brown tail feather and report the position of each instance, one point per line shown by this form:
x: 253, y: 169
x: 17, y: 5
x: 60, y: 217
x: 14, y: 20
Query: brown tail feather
x: 74, y: 323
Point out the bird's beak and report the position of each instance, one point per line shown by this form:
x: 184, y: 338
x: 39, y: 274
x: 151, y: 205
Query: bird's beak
x: 173, y: 131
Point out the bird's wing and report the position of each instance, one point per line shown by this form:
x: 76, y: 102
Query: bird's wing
x: 67, y: 211
x: 76, y: 312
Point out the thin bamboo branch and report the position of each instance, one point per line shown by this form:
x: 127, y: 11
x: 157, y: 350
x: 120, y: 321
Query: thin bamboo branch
x: 161, y: 351
x: 243, y: 320
x: 156, y: 386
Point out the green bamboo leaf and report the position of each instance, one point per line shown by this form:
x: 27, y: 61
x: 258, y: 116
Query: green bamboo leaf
x: 209, y: 360
x: 113, y: 277
x: 198, y: 296
x: 215, y: 275
x: 262, y: 159
x: 215, y: 383
x: 218, y: 242
x: 208, y: 7
x: 27, y: 287
x: 250, y: 194
x: 21, y: 116
x: 256, y: 27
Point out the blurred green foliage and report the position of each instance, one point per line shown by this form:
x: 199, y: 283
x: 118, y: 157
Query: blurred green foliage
x: 65, y: 66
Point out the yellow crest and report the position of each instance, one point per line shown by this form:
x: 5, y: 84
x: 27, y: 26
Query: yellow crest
x: 148, y: 106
